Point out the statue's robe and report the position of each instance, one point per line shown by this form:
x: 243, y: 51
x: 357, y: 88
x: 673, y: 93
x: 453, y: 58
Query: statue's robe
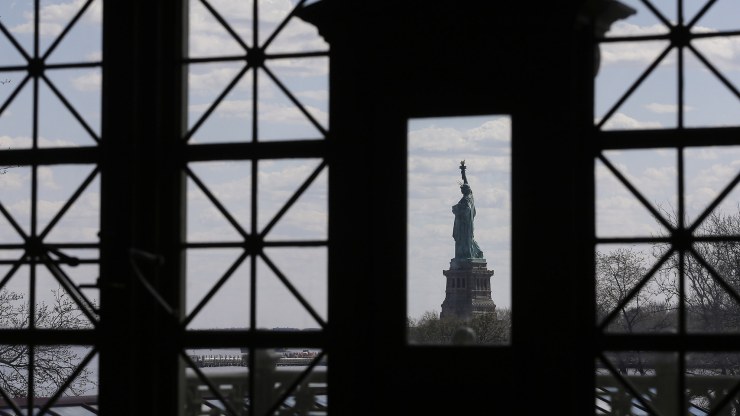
x: 462, y: 231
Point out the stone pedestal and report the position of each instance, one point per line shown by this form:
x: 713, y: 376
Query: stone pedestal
x: 468, y: 291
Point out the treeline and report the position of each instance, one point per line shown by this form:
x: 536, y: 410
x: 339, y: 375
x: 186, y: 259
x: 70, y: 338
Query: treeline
x: 489, y: 329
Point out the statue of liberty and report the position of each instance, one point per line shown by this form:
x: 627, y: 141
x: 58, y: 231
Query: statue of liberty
x: 462, y: 231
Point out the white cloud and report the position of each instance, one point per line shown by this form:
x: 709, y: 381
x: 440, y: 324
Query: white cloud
x: 46, y: 177
x: 437, y: 139
x: 24, y: 142
x: 54, y: 17
x: 209, y: 38
x: 12, y: 180
x: 702, y: 153
x: 290, y: 114
x: 621, y: 121
x: 94, y: 56
x: 227, y: 108
x: 665, y: 108
x: 268, y: 112
x: 723, y: 52
x: 215, y: 79
x: 210, y: 44
x: 642, y: 53
x: 299, y: 68
x: 498, y: 130
x: 451, y: 139
x: 317, y: 95
x: 88, y: 82
x: 624, y: 28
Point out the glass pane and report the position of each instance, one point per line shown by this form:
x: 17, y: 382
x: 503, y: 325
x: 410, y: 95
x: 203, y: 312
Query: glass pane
x: 652, y: 173
x: 293, y: 199
x: 208, y: 37
x: 709, y: 171
x: 306, y: 81
x: 653, y: 104
x: 55, y: 364
x: 708, y: 101
x: 58, y: 123
x: 218, y: 289
x: 637, y: 383
x: 627, y: 299
x: 83, y: 42
x: 219, y: 201
x: 720, y: 16
x: 14, y: 294
x: 460, y: 300
x: 231, y: 118
x: 287, y: 380
x: 645, y: 21
x: 710, y: 376
x: 711, y: 306
x: 283, y: 270
x: 621, y: 64
x: 216, y: 379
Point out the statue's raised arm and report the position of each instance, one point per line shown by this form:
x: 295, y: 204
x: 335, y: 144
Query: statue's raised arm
x: 462, y: 172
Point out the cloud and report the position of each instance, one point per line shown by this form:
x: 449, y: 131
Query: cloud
x: 498, y: 130
x: 268, y: 112
x: 622, y: 28
x: 208, y: 37
x: 276, y: 113
x: 278, y: 181
x: 46, y: 177
x: 88, y: 82
x: 642, y: 53
x: 94, y: 56
x: 450, y: 139
x: 25, y: 142
x: 54, y: 17
x: 621, y: 121
x: 12, y: 180
x: 724, y: 51
x: 665, y: 108
x: 215, y: 79
x: 317, y: 95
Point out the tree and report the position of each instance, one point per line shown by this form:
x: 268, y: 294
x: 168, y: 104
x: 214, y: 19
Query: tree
x: 708, y: 302
x: 618, y: 272
x: 53, y: 364
x: 488, y: 328
x: 709, y: 306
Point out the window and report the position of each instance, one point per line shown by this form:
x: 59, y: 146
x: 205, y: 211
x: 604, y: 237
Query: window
x: 453, y: 254
x: 256, y: 241
x: 665, y: 207
x: 50, y: 129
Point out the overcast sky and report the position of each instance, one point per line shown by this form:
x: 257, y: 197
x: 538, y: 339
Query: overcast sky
x: 436, y: 147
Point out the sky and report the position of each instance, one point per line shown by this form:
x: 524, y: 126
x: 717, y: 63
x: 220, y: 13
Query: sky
x: 653, y: 105
x: 436, y: 147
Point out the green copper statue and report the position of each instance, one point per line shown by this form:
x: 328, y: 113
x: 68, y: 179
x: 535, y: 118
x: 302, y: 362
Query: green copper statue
x: 462, y: 231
